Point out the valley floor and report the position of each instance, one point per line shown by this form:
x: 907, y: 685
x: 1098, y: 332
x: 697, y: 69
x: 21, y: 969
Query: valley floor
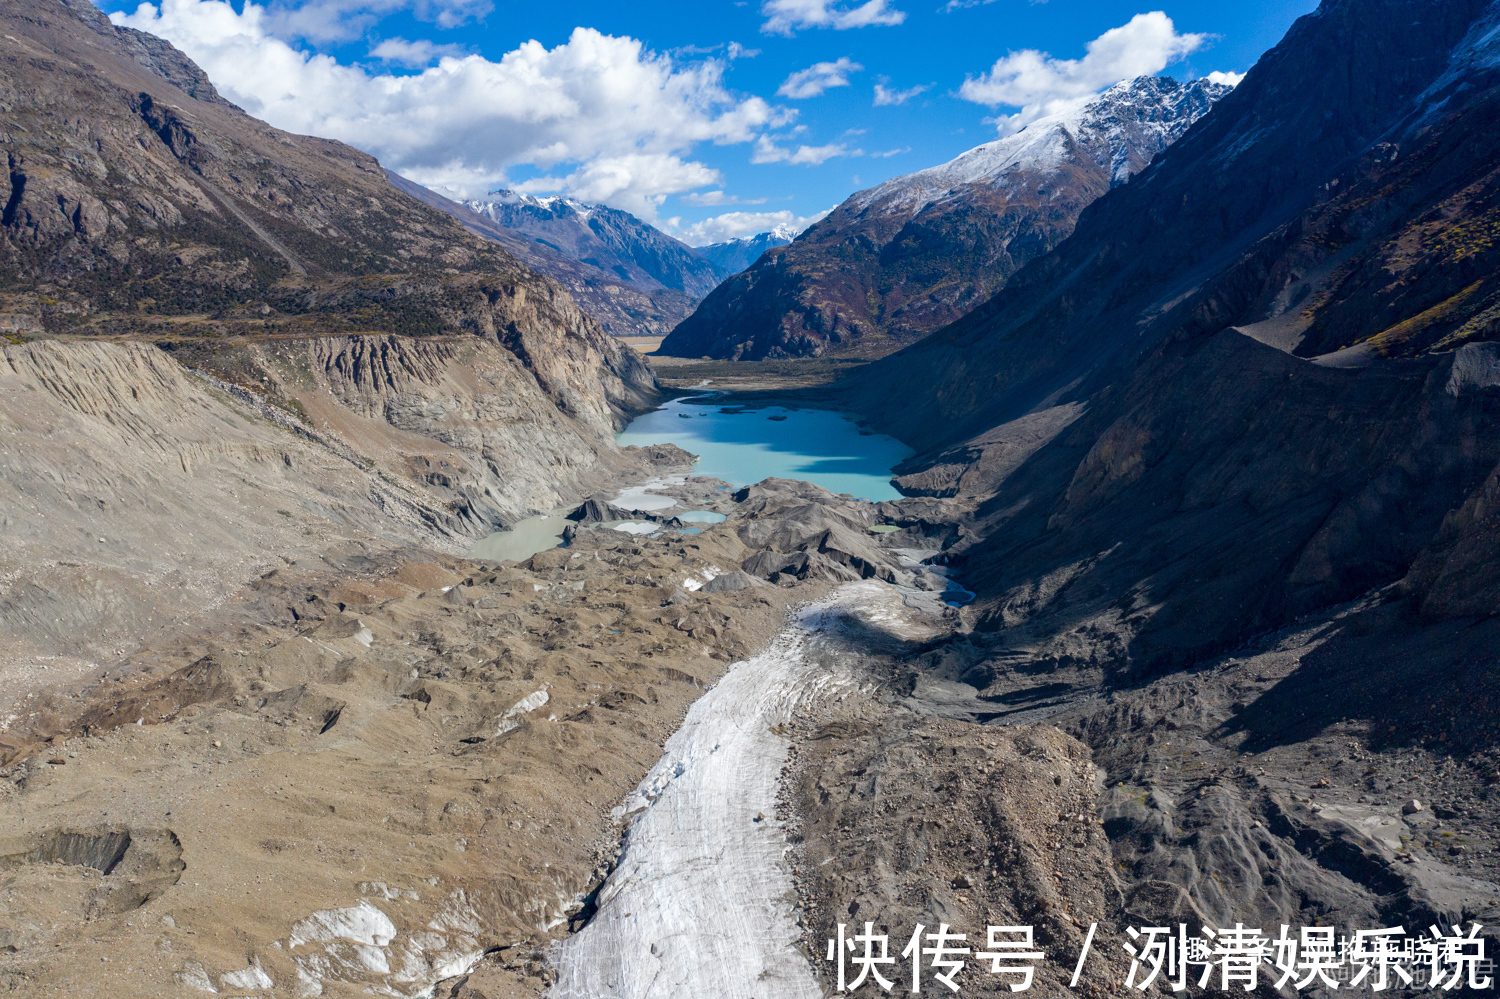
x: 646, y: 765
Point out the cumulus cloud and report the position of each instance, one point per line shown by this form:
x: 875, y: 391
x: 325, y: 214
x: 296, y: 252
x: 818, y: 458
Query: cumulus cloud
x: 415, y: 55
x: 608, y: 118
x: 817, y: 78
x: 785, y: 16
x: 732, y: 225
x: 767, y: 151
x: 885, y: 96
x: 1228, y: 79
x: 1039, y: 84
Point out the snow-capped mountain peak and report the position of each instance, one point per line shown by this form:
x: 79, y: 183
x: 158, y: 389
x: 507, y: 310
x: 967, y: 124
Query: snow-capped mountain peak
x: 1120, y: 130
x: 608, y: 239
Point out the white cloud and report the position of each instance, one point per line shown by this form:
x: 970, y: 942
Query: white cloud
x: 738, y: 51
x: 413, y: 54
x: 618, y: 119
x: 767, y: 151
x: 891, y: 152
x: 884, y: 96
x: 346, y: 20
x: 732, y: 225
x: 1039, y: 84
x: 785, y: 16
x: 1228, y: 79
x: 818, y: 77
x: 709, y: 199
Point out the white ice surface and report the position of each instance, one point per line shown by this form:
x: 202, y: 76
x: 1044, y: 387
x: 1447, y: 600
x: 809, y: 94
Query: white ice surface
x: 362, y: 923
x: 252, y: 977
x: 636, y: 527
x: 642, y: 497
x: 701, y: 901
x: 507, y: 722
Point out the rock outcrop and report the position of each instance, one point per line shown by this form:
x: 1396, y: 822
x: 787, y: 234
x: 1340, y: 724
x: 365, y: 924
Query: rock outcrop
x: 139, y: 204
x: 896, y: 262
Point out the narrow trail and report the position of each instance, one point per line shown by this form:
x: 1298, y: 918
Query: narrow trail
x: 702, y: 901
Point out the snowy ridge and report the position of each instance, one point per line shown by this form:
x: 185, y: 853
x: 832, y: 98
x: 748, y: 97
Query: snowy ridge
x: 615, y: 242
x: 734, y: 255
x: 1120, y: 130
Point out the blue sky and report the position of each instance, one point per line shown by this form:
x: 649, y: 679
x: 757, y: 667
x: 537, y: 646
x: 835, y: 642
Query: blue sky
x: 711, y: 118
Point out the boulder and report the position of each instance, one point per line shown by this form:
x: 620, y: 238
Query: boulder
x: 731, y: 582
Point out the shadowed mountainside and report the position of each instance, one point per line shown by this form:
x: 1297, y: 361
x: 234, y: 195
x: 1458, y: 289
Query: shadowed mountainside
x: 895, y: 262
x: 1344, y: 149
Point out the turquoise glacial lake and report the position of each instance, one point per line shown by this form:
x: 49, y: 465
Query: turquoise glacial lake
x: 742, y: 446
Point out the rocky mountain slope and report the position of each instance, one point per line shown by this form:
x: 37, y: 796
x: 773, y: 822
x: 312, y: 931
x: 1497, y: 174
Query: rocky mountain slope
x: 252, y: 341
x: 608, y: 245
x: 734, y: 255
x: 621, y: 307
x: 1158, y: 468
x: 897, y: 261
x: 1221, y: 469
x: 134, y: 208
x: 1309, y: 209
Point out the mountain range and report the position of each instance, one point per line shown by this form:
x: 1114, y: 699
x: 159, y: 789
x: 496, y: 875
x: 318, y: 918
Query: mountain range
x: 1219, y: 471
x: 734, y: 255
x: 897, y: 261
x: 1253, y: 381
x: 629, y: 275
x: 606, y: 238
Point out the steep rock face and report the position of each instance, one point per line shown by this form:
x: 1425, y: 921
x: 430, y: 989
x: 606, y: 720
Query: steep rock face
x: 1229, y: 225
x: 897, y: 261
x: 734, y: 255
x: 140, y: 204
x: 621, y: 307
x: 139, y: 487
x: 1223, y: 490
x: 1152, y: 487
x: 606, y: 238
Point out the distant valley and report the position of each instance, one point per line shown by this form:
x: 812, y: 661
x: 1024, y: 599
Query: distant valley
x: 629, y: 275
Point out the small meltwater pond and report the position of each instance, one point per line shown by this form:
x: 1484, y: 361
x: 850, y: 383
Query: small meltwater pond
x: 532, y: 535
x: 739, y: 445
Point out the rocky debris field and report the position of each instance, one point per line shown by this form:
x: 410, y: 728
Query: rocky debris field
x: 139, y: 487
x: 374, y: 767
x: 372, y: 771
x: 394, y: 768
